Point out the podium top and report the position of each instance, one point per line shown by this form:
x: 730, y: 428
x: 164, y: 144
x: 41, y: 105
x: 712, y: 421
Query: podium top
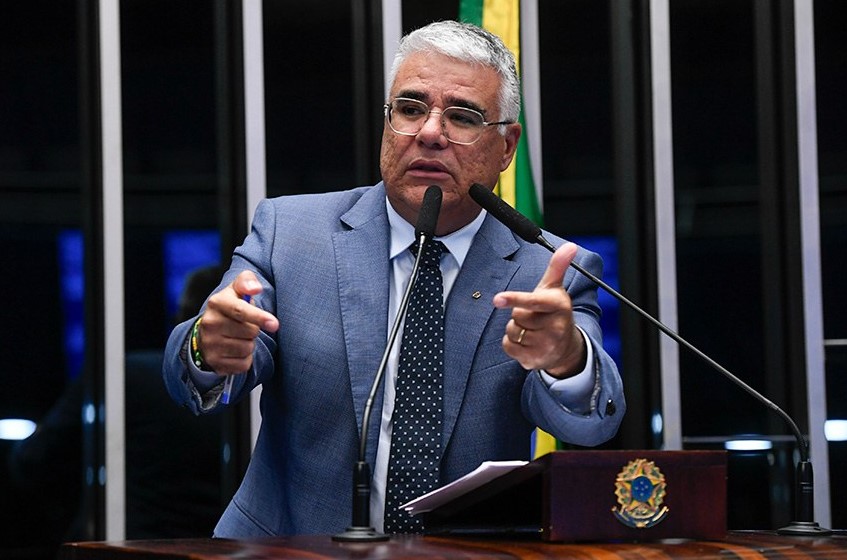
x: 736, y: 545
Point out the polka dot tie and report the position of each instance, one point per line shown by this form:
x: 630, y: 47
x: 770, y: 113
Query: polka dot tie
x: 416, y: 434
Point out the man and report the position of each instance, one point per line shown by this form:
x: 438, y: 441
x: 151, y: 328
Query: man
x: 326, y: 273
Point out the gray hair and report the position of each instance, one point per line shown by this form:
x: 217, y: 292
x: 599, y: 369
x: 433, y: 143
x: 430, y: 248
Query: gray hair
x: 471, y: 44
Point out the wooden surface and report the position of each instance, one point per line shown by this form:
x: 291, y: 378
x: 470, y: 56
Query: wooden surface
x: 569, y: 496
x: 743, y: 545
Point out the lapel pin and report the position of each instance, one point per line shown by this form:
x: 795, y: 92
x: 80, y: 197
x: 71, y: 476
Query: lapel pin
x: 476, y: 295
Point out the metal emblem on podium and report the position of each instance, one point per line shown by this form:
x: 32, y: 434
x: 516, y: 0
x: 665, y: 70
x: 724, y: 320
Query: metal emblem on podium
x: 640, y: 488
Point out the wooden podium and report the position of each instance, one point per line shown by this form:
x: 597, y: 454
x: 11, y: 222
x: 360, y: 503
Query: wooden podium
x: 678, y: 496
x: 597, y: 496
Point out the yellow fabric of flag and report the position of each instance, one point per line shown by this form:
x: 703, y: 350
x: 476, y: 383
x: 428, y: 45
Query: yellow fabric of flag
x: 516, y: 186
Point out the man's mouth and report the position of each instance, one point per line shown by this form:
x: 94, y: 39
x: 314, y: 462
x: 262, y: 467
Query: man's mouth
x: 428, y: 167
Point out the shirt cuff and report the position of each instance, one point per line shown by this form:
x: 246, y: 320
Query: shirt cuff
x: 203, y: 380
x: 576, y: 392
x: 205, y: 386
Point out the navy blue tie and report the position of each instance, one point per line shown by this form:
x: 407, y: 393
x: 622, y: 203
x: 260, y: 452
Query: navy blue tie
x: 414, y: 463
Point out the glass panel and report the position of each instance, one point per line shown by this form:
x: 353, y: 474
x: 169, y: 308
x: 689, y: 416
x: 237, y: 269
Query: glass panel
x: 41, y: 244
x: 417, y: 14
x: 715, y: 161
x: 576, y: 109
x: 577, y: 153
x: 172, y: 251
x: 720, y: 111
x: 830, y: 22
x: 309, y: 97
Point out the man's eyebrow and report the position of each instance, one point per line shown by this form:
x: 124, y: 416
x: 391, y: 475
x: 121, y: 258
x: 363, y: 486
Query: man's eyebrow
x: 455, y: 102
x: 413, y: 94
x: 451, y: 101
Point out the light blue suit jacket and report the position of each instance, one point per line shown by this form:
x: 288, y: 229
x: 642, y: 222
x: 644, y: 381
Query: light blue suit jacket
x: 323, y: 262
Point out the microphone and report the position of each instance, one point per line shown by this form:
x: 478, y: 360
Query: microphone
x: 428, y: 215
x: 804, y: 524
x: 361, y: 529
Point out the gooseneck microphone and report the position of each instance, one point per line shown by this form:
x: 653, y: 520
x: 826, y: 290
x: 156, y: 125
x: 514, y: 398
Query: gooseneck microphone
x: 361, y: 529
x: 804, y: 524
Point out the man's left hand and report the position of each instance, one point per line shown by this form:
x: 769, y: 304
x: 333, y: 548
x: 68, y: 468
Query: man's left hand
x: 541, y: 333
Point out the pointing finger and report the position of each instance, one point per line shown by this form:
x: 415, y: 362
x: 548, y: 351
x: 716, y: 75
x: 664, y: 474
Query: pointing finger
x: 543, y: 300
x: 246, y: 284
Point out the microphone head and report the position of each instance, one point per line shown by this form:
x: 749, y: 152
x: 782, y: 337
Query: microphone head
x: 511, y: 218
x: 428, y: 215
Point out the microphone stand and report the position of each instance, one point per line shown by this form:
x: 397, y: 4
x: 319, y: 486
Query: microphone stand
x: 804, y: 523
x: 361, y: 529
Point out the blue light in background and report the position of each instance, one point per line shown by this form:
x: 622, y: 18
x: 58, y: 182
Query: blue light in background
x: 184, y: 252
x: 607, y: 247
x: 72, y: 286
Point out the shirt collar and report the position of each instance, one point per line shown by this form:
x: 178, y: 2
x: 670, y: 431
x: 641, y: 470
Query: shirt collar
x: 403, y: 235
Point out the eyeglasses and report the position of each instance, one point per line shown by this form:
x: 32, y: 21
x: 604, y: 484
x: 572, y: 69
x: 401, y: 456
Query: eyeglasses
x: 460, y: 125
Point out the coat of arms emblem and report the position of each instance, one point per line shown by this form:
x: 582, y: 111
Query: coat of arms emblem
x: 640, y: 488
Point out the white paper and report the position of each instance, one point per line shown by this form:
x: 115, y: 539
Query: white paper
x: 489, y: 470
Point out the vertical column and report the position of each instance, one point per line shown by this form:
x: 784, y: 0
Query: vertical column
x: 254, y: 124
x: 367, y: 63
x: 807, y: 154
x: 113, y: 252
x: 531, y: 82
x: 392, y: 30
x: 665, y: 218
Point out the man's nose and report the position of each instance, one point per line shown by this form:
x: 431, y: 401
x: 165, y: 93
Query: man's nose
x: 433, y: 126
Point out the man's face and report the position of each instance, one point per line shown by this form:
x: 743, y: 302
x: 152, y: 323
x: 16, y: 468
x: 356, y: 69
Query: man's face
x: 410, y: 164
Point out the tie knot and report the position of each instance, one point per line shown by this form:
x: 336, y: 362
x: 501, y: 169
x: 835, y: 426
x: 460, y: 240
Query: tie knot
x: 431, y: 252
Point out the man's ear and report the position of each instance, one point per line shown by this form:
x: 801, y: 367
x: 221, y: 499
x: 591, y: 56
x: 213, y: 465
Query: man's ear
x: 513, y: 134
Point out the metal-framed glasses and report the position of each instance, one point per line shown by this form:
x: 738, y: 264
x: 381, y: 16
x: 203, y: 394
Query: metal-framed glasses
x: 460, y: 125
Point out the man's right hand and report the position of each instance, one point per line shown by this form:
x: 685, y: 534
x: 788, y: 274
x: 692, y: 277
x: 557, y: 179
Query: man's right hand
x: 231, y: 324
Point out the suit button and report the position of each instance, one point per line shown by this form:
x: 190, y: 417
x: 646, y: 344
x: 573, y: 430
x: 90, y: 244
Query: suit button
x: 611, y: 408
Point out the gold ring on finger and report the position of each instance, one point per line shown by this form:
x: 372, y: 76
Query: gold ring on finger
x: 520, y: 337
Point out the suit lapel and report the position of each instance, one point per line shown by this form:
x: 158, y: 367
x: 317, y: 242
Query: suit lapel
x: 361, y: 256
x: 488, y: 271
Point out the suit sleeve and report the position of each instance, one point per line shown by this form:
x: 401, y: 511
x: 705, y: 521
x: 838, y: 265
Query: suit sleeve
x: 255, y: 255
x: 608, y: 406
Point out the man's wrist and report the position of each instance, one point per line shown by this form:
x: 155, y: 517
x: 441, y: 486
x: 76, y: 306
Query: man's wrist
x: 194, y: 347
x: 575, y: 362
